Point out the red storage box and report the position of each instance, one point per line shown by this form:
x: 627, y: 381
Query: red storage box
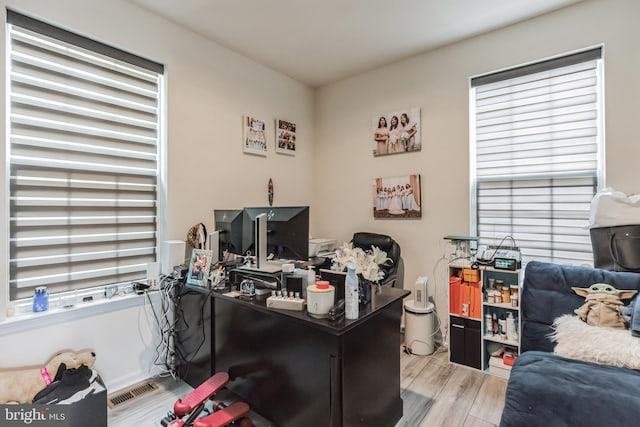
x: 509, y: 359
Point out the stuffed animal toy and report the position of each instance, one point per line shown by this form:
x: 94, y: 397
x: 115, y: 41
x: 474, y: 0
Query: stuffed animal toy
x: 20, y: 385
x: 602, y: 305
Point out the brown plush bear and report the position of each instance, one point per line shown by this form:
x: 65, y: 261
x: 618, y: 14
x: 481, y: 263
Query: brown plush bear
x: 20, y: 385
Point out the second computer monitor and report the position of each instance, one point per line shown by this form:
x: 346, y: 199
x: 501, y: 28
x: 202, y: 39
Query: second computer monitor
x: 287, y: 231
x: 228, y: 222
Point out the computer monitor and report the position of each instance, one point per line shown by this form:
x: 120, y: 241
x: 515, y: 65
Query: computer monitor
x: 228, y: 222
x: 287, y: 231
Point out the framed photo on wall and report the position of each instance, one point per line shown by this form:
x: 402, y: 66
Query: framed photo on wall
x: 285, y: 137
x: 254, y: 136
x: 397, y: 197
x: 199, y: 267
x: 396, y: 132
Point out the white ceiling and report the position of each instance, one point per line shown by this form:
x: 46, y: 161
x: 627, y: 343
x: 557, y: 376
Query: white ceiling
x: 321, y: 41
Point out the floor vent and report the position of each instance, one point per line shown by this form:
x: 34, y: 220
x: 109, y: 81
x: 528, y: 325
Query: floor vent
x: 133, y: 392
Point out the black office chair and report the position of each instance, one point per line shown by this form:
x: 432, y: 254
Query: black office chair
x: 365, y: 240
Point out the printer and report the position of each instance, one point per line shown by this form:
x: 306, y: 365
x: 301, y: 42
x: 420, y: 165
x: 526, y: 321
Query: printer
x: 319, y: 246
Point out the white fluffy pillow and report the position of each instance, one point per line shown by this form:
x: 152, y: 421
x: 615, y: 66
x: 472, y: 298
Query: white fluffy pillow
x: 577, y: 340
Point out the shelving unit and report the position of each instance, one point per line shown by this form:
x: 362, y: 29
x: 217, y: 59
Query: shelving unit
x: 472, y: 338
x: 465, y: 317
x: 492, y: 342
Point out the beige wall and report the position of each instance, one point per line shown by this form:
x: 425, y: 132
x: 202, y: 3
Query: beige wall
x: 209, y: 89
x: 438, y: 82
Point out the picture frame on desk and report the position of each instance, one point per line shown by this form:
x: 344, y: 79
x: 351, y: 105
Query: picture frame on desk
x: 199, y: 267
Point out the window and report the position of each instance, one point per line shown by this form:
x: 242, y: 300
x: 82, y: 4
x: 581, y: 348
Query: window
x: 537, y: 155
x: 83, y: 154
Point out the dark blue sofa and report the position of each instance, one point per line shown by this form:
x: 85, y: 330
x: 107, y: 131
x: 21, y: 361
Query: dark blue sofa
x: 549, y: 390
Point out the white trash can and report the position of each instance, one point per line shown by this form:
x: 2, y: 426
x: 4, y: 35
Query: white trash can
x: 418, y: 328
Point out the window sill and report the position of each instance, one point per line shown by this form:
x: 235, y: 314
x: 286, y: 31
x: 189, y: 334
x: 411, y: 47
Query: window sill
x: 29, y: 321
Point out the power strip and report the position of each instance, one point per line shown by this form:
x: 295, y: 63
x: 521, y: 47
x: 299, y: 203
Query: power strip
x: 285, y: 303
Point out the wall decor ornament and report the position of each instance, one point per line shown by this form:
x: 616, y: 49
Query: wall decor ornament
x: 396, y: 132
x: 285, y: 137
x: 397, y: 197
x: 270, y: 192
x: 254, y: 136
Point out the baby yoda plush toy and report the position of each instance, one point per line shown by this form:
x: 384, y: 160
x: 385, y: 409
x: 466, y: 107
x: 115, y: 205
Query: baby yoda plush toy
x: 602, y: 305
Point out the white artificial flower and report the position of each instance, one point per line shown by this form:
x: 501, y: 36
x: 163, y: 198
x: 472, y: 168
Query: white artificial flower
x: 367, y: 263
x: 379, y: 256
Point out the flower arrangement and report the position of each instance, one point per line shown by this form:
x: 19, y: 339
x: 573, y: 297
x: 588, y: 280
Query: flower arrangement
x: 367, y: 262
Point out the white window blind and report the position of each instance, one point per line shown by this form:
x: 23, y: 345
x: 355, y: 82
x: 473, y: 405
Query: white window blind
x: 536, y: 156
x: 83, y: 156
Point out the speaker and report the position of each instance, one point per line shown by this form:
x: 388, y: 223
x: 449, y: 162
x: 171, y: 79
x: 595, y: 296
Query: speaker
x: 421, y: 293
x: 173, y: 254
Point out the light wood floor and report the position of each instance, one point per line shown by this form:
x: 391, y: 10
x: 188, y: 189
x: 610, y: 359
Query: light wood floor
x: 434, y: 392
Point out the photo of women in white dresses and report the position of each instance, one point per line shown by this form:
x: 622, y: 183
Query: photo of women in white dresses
x: 397, y: 197
x: 397, y: 132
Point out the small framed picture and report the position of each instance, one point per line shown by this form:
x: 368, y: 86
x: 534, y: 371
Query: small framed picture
x: 254, y: 136
x: 285, y: 137
x: 199, y: 267
x: 397, y: 197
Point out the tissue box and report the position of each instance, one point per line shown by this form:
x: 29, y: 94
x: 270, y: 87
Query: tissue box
x: 498, y: 368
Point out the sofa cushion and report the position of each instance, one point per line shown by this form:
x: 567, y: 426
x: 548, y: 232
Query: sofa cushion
x: 577, y: 340
x: 548, y: 390
x: 547, y: 294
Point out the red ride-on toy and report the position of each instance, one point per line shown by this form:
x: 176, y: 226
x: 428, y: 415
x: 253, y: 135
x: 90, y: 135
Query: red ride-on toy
x: 190, y: 410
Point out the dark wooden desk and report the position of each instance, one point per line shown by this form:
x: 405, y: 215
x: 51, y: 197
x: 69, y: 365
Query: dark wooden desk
x: 299, y: 371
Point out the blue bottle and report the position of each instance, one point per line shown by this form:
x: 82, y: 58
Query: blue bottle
x: 351, y: 300
x: 41, y: 299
